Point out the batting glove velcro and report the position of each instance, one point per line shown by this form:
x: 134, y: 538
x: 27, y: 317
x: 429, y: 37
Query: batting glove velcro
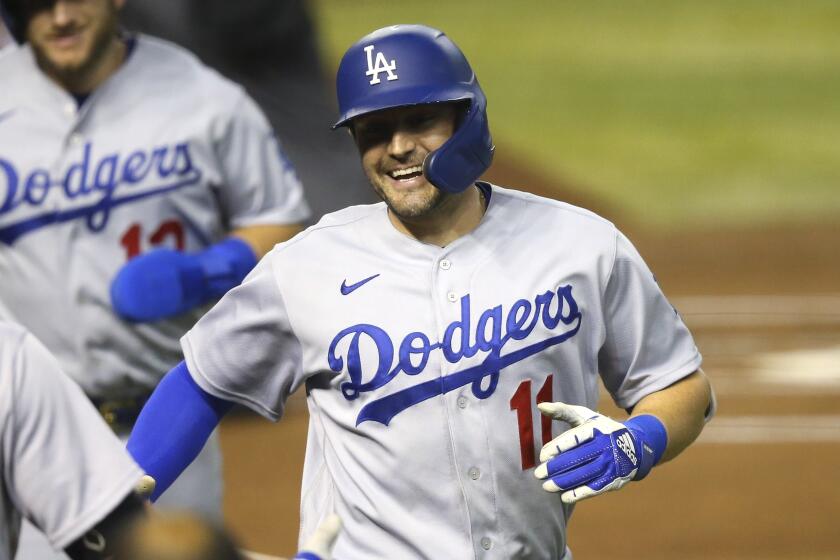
x: 597, y: 454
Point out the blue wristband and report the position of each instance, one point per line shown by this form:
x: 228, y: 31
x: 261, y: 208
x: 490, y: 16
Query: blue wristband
x: 649, y: 431
x: 307, y: 556
x: 223, y: 266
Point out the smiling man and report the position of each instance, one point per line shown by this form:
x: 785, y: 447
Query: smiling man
x: 136, y: 187
x: 432, y: 329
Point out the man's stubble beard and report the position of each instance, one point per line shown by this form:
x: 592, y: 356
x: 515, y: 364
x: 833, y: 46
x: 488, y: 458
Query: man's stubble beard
x: 415, y: 208
x: 105, y: 33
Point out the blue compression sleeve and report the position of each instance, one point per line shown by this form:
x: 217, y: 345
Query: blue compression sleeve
x: 174, y: 426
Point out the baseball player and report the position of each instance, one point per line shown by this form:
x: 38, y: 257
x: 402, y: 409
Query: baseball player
x: 62, y: 467
x: 427, y: 329
x: 136, y: 186
x: 271, y: 47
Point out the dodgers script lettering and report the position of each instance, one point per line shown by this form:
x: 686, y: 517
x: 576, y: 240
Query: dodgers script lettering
x: 556, y: 310
x: 91, y: 186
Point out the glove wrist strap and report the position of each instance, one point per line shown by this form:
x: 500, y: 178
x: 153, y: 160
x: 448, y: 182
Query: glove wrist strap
x: 652, y: 438
x: 224, y: 265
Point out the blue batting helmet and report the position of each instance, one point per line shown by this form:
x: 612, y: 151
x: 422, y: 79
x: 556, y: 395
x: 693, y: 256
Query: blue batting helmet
x: 405, y: 65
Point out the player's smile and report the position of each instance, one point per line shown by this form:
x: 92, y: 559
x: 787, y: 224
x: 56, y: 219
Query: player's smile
x: 393, y: 144
x: 406, y: 174
x: 66, y: 39
x: 407, y: 178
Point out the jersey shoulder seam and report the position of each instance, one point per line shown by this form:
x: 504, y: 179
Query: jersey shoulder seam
x: 183, y: 58
x: 534, y: 199
x: 613, y: 261
x: 220, y: 392
x: 311, y: 230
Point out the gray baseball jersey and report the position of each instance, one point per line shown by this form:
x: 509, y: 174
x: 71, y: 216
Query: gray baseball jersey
x: 165, y: 153
x: 63, y: 468
x: 423, y: 367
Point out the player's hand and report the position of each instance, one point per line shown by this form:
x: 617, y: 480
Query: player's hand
x: 145, y: 487
x: 597, y: 454
x: 319, y: 546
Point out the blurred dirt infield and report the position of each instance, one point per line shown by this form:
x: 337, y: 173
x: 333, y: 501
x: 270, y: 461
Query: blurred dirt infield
x: 764, y: 305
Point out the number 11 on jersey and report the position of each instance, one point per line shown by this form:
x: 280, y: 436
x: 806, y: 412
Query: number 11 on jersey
x: 521, y: 403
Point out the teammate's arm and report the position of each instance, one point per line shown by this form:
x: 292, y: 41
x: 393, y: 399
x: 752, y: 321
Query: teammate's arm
x: 261, y: 200
x: 66, y: 470
x: 165, y: 282
x: 599, y: 454
x: 262, y: 238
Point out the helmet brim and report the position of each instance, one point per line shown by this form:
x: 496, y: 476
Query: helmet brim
x: 405, y: 97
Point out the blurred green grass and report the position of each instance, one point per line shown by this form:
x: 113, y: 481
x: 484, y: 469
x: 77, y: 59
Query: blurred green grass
x: 678, y: 113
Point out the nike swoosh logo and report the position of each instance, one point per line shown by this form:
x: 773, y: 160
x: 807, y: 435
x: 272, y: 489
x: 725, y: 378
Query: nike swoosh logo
x: 5, y: 115
x: 345, y: 289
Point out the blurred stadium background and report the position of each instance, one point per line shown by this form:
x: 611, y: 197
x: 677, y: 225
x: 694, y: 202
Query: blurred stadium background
x: 710, y: 133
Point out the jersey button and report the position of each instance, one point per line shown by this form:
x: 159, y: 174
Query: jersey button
x: 445, y: 264
x: 75, y: 139
x: 69, y: 108
x: 452, y: 297
x: 486, y: 543
x: 474, y: 473
x: 462, y: 402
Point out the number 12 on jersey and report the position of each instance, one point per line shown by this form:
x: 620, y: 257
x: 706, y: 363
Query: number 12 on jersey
x: 521, y: 403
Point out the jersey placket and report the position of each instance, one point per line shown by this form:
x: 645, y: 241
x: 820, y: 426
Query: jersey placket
x: 80, y: 177
x: 469, y: 436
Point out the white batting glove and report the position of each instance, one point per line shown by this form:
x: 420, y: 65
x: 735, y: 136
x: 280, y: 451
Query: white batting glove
x: 319, y: 546
x: 597, y: 454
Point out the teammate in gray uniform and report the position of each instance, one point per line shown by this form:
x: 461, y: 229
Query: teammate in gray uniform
x: 271, y: 47
x: 62, y: 467
x: 427, y: 328
x: 136, y: 186
x: 66, y: 471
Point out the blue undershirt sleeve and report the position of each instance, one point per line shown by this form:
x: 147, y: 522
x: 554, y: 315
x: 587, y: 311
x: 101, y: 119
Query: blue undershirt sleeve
x: 174, y: 426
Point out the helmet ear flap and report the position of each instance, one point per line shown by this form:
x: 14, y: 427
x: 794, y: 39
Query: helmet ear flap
x: 461, y: 160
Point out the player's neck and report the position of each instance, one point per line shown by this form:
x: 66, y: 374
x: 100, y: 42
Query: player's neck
x: 454, y: 219
x: 89, y: 78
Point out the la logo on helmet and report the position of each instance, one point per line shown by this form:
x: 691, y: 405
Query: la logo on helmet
x: 380, y: 66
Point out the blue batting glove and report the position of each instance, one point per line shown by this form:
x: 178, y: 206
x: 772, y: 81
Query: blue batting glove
x: 319, y: 546
x: 598, y: 454
x: 164, y: 282
x: 157, y: 285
